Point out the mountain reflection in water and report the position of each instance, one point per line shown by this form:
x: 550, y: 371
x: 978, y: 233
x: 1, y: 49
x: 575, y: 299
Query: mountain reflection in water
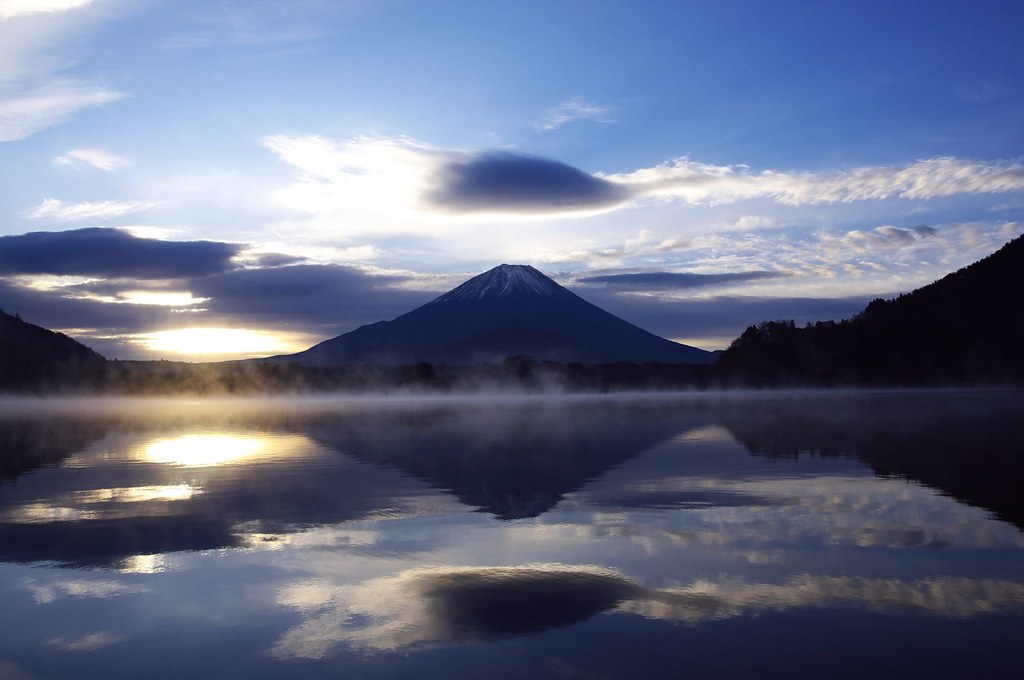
x: 322, y: 530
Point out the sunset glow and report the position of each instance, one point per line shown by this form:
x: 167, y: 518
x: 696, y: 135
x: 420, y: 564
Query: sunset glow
x: 224, y: 342
x: 691, y: 195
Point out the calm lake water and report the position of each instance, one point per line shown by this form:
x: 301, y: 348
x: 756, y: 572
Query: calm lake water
x: 798, y: 535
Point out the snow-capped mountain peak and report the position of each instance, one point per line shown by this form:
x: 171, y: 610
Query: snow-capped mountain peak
x: 504, y: 281
x: 511, y: 310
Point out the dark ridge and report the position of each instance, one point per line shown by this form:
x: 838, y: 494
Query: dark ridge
x: 964, y: 329
x: 32, y: 357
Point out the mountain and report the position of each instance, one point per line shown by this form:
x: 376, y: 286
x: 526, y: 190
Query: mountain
x: 32, y: 357
x: 515, y: 461
x: 511, y: 310
x: 966, y: 328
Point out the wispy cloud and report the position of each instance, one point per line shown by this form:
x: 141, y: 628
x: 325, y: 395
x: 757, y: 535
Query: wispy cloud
x: 87, y: 643
x: 572, y: 110
x: 45, y: 593
x: 700, y: 183
x: 49, y: 104
x: 257, y: 23
x: 15, y: 8
x: 58, y: 209
x: 97, y: 158
x: 38, y: 48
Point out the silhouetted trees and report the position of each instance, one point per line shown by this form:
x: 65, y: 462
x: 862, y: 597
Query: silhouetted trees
x: 36, y: 359
x: 965, y: 329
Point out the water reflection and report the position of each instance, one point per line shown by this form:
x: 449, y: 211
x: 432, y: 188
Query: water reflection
x: 202, y: 450
x: 135, y: 493
x: 969, y: 445
x: 460, y: 604
x: 322, y: 531
x: 513, y: 461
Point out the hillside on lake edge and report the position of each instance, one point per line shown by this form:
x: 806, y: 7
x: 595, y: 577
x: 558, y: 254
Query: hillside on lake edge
x: 967, y: 329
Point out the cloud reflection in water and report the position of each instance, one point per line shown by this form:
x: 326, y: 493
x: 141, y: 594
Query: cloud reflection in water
x: 426, y: 606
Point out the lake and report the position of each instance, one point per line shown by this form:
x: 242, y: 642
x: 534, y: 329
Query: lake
x: 803, y: 534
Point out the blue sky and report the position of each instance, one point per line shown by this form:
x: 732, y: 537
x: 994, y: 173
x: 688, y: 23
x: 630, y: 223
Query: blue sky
x: 287, y: 171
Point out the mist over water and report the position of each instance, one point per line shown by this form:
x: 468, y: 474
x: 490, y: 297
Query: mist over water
x: 502, y: 536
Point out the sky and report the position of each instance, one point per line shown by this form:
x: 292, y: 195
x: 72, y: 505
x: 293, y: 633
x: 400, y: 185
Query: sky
x: 206, y: 180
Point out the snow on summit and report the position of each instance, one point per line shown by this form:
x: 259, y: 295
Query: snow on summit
x: 506, y: 280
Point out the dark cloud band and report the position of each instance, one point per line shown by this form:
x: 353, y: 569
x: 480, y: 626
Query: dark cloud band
x: 112, y: 253
x: 674, y: 280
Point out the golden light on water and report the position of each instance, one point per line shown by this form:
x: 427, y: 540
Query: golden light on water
x: 222, y: 342
x: 41, y: 513
x: 205, y: 450
x: 139, y: 494
x: 208, y: 449
x: 145, y: 564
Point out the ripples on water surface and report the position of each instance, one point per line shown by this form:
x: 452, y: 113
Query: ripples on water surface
x: 798, y: 535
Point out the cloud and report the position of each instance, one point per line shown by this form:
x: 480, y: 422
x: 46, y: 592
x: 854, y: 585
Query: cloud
x: 311, y: 296
x: 947, y: 597
x: 270, y: 260
x: 45, y: 593
x: 573, y: 110
x: 87, y: 643
x: 421, y: 607
x: 982, y: 92
x: 14, y: 8
x: 259, y: 23
x: 675, y: 280
x: 365, y: 173
x: 697, y: 183
x: 451, y: 604
x: 111, y: 253
x: 97, y: 158
x: 713, y: 322
x: 48, y: 105
x: 57, y: 209
x: 106, y: 287
x: 399, y: 176
x: 886, y: 238
x: 507, y: 182
x: 412, y: 179
x: 39, y: 44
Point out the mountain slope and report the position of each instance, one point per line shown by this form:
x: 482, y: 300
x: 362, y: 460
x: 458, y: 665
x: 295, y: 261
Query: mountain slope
x: 966, y: 328
x: 32, y: 357
x: 508, y: 311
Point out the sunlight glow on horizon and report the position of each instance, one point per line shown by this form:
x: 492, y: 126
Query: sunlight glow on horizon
x: 219, y: 342
x: 161, y: 298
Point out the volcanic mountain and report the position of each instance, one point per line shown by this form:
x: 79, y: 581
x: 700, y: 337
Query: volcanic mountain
x: 511, y: 310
